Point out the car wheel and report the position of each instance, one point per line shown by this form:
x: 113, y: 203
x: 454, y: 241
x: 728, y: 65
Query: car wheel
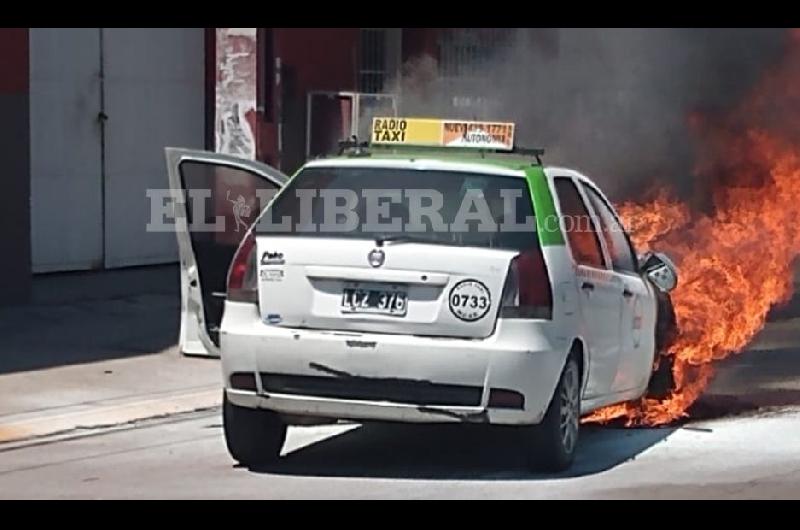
x: 552, y: 442
x: 661, y: 382
x: 254, y: 437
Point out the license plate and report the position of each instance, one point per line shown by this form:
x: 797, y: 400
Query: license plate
x: 383, y: 301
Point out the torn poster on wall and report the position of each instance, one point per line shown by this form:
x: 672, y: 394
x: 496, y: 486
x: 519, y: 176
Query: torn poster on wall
x: 236, y: 92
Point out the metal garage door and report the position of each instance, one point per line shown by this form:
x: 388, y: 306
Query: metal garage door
x: 104, y: 103
x: 154, y: 97
x: 66, y: 174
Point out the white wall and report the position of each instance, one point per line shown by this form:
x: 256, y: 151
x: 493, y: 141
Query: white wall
x: 85, y: 213
x: 66, y: 192
x: 154, y: 96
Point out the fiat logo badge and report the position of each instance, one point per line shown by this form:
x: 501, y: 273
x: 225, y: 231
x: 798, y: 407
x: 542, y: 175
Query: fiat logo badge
x: 376, y: 257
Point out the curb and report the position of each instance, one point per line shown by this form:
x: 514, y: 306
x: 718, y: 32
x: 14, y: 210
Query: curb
x: 105, y: 415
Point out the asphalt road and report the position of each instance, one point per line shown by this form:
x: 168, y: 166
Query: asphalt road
x: 753, y: 455
x: 743, y: 442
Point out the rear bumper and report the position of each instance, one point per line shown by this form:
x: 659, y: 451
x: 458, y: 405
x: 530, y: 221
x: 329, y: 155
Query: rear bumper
x: 391, y: 377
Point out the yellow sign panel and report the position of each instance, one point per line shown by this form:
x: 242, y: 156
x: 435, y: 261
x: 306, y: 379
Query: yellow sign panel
x: 443, y: 133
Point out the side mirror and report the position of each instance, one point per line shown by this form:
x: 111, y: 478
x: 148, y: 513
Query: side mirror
x: 660, y: 270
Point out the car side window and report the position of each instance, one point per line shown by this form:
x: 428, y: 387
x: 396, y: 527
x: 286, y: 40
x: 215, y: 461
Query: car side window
x: 622, y: 255
x: 578, y: 225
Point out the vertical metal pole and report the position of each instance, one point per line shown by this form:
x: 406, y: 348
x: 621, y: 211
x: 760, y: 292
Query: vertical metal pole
x: 355, y: 114
x: 308, y: 124
x: 277, y: 97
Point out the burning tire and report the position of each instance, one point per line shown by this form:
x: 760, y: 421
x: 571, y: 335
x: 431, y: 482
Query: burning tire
x: 551, y: 444
x: 661, y: 380
x: 253, y: 437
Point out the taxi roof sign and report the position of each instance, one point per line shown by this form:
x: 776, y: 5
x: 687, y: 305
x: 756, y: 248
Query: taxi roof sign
x: 443, y: 133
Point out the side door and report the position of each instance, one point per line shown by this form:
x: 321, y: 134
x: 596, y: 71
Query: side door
x: 638, y: 303
x: 216, y: 199
x: 599, y: 290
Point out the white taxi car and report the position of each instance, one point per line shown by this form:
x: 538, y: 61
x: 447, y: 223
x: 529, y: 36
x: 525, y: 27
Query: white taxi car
x: 388, y: 284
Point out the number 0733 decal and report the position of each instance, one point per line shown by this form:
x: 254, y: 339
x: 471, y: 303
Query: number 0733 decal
x: 470, y: 300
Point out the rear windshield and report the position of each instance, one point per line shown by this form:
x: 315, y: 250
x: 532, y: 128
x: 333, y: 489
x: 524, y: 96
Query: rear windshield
x: 440, y: 207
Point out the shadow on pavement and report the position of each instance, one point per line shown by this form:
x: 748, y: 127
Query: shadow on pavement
x: 759, y: 402
x: 454, y: 452
x: 91, y: 316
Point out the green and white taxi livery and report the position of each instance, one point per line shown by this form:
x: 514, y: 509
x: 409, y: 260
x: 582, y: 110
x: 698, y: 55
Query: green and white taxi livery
x: 436, y: 275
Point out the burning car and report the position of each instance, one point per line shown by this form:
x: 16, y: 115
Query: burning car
x: 520, y: 300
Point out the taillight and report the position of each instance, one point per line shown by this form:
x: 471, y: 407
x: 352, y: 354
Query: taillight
x: 527, y: 292
x: 242, y: 275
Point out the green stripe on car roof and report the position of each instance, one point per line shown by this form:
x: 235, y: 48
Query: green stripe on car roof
x: 544, y: 208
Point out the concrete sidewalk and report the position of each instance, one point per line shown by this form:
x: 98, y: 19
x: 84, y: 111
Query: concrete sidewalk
x: 96, y: 349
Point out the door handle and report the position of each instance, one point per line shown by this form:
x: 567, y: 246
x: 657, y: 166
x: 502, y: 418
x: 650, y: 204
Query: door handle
x: 626, y: 293
x: 588, y: 286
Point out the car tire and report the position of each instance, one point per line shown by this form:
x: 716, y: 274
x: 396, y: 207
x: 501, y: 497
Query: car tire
x: 551, y: 444
x: 662, y: 382
x: 254, y: 437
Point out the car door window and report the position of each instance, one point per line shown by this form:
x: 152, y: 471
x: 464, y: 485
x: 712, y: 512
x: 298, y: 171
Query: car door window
x: 221, y: 203
x: 578, y: 225
x: 622, y: 255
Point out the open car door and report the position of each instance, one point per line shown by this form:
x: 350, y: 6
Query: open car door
x: 217, y: 198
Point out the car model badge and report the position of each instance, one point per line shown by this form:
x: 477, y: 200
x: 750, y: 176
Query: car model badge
x: 272, y: 258
x: 376, y: 257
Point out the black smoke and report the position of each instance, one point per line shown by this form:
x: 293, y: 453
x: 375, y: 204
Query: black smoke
x: 613, y: 103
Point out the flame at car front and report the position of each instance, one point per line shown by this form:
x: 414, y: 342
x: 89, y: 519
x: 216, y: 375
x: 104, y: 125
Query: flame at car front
x: 736, y: 262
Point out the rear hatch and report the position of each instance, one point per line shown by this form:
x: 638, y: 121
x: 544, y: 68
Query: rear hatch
x: 328, y: 283
x: 331, y: 256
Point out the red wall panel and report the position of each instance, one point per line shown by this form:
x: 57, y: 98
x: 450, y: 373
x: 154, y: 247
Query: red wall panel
x: 324, y: 58
x: 15, y: 228
x: 14, y: 60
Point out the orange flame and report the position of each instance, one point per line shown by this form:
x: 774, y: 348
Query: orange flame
x: 735, y: 263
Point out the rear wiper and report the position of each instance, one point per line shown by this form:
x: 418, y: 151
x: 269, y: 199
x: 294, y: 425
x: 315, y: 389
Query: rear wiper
x: 406, y: 238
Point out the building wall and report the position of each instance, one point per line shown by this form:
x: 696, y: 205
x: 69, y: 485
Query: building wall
x: 66, y: 137
x: 104, y: 102
x: 236, y: 91
x: 420, y: 41
x: 154, y: 98
x: 15, y: 265
x: 311, y: 59
x: 324, y: 59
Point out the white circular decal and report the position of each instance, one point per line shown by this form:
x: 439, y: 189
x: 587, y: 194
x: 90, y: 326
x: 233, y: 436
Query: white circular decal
x: 470, y: 300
